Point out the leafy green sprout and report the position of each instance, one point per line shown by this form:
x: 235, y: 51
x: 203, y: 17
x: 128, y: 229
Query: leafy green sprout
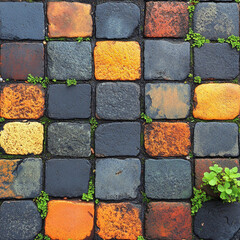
x: 38, y: 80
x: 45, y: 120
x: 140, y: 238
x: 42, y: 204
x: 71, y: 82
x: 234, y: 41
x: 145, y: 198
x: 40, y: 236
x: 146, y: 118
x: 191, y: 7
x: 190, y: 75
x: 2, y: 119
x: 197, y: 39
x: 93, y: 122
x: 81, y: 39
x: 197, y: 79
x: 97, y: 201
x: 89, y: 196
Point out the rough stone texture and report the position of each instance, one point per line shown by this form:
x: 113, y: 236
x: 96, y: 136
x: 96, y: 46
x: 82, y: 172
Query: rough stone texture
x: 161, y: 60
x: 167, y: 139
x: 67, y: 177
x: 69, y: 60
x: 216, y: 61
x: 69, y: 102
x: 22, y: 101
x: 69, y: 139
x: 19, y: 220
x: 20, y: 59
x: 22, y: 138
x: 216, y: 20
x: 125, y: 178
x: 167, y: 100
x: 216, y: 139
x: 117, y: 139
x: 166, y: 19
x: 70, y: 220
x: 22, y: 20
x: 169, y: 220
x: 168, y: 179
x: 217, y: 220
x: 119, y: 221
x: 69, y: 19
x: 118, y: 101
x: 116, y: 60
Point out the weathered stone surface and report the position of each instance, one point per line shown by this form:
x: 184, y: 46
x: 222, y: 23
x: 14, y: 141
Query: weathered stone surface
x: 117, y: 139
x: 116, y: 60
x: 118, y: 101
x: 69, y: 19
x: 69, y: 139
x: 69, y: 60
x: 19, y: 220
x: 67, y: 177
x: 217, y: 220
x: 216, y: 20
x: 161, y: 60
x: 216, y: 139
x: 70, y: 220
x: 119, y: 220
x: 125, y: 178
x: 69, y: 102
x: 216, y: 60
x: 167, y: 100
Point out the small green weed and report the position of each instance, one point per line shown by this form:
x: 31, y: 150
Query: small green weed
x: 197, y: 79
x: 140, y: 238
x: 190, y: 75
x: 55, y: 39
x: 93, y: 122
x: 35, y: 80
x: 71, y: 82
x: 146, y: 118
x: 190, y: 155
x: 40, y: 236
x: 2, y: 119
x: 89, y: 196
x: 7, y: 80
x: 197, y: 39
x: 235, y: 81
x: 237, y: 121
x: 41, y: 202
x: 97, y: 201
x: 221, y: 40
x: 191, y: 7
x: 145, y: 198
x: 54, y: 80
x: 81, y: 39
x: 234, y: 41
x: 45, y: 120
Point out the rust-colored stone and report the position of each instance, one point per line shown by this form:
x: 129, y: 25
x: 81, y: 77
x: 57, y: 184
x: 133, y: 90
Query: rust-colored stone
x: 167, y: 139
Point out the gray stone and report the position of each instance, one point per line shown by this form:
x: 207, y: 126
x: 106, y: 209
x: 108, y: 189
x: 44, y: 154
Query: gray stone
x: 116, y: 20
x: 117, y: 179
x: 19, y: 220
x: 69, y: 102
x: 168, y: 60
x: 118, y: 139
x: 69, y: 139
x: 216, y: 139
x: 118, y: 101
x: 216, y: 20
x: 168, y: 179
x: 69, y: 60
x: 216, y: 60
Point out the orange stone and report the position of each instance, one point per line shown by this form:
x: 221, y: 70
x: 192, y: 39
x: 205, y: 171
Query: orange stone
x: 116, y: 60
x: 69, y: 19
x: 70, y: 220
x: 216, y: 101
x: 167, y: 139
x: 119, y: 221
x: 22, y: 101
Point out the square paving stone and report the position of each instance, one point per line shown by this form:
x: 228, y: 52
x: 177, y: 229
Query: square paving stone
x: 216, y: 139
x: 125, y: 178
x: 67, y: 177
x: 69, y: 102
x: 216, y: 60
x: 216, y: 20
x: 118, y: 101
x: 20, y: 59
x: 167, y: 100
x: 117, y: 139
x: 166, y: 60
x: 116, y: 20
x: 21, y: 20
x: 69, y: 139
x: 69, y: 60
x: 168, y: 179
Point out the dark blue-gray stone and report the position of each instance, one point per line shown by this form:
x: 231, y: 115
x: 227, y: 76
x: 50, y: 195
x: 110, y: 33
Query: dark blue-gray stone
x: 168, y: 179
x: 215, y: 139
x: 169, y: 60
x: 21, y: 20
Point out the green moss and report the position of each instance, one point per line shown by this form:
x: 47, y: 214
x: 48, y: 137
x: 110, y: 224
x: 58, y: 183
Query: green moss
x: 38, y: 80
x: 196, y: 39
x: 89, y: 196
x: 71, y: 82
x: 42, y: 204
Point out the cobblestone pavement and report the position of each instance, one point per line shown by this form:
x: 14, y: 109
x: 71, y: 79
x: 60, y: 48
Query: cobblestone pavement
x: 79, y: 126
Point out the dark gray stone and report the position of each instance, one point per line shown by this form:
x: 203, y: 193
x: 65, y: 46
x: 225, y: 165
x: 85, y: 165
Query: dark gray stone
x: 117, y: 139
x: 116, y: 20
x: 118, y: 101
x: 19, y: 220
x: 216, y: 60
x: 217, y: 220
x: 69, y: 60
x: 168, y: 179
x: 216, y: 139
x: 69, y: 139
x: 117, y: 179
x: 21, y: 20
x: 169, y: 60
x: 69, y: 102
